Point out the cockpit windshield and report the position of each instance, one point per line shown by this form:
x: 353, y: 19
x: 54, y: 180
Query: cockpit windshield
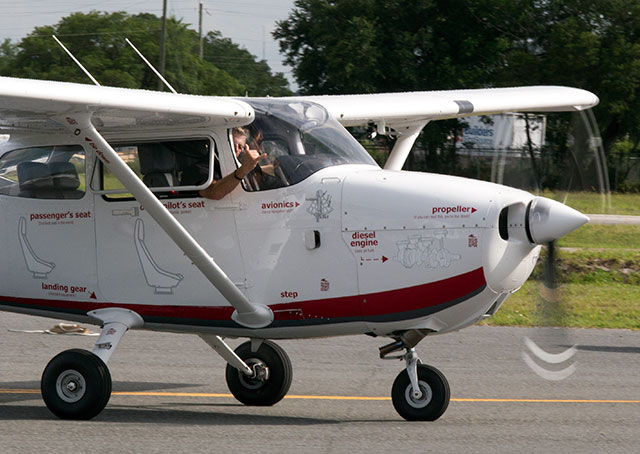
x: 299, y: 139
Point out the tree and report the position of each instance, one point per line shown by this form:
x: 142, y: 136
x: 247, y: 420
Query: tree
x: 255, y: 75
x: 7, y: 53
x: 387, y: 45
x: 97, y: 40
x: 366, y: 46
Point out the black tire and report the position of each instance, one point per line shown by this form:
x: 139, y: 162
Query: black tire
x: 435, y: 395
x: 76, y: 384
x: 261, y: 392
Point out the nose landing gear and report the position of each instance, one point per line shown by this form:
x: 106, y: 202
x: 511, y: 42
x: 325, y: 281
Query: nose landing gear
x: 420, y: 392
x: 425, y: 402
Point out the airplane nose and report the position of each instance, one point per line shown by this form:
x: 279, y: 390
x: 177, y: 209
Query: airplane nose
x: 548, y: 220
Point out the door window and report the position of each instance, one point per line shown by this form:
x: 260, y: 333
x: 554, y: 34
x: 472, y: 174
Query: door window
x: 46, y: 172
x: 170, y: 168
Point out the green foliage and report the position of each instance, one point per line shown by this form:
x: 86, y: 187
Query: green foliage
x: 97, y: 40
x: 624, y: 165
x: 593, y: 266
x: 365, y: 46
x: 595, y: 203
x: 597, y: 288
x: 255, y: 75
x: 369, y: 46
x: 604, y: 236
x: 583, y: 306
x: 7, y: 53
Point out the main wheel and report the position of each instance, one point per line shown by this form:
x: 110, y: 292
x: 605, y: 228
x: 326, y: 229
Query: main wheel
x: 76, y: 384
x: 431, y: 404
x: 272, y: 380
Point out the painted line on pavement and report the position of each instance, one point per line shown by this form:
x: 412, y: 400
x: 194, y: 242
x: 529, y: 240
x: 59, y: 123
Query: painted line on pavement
x: 363, y: 398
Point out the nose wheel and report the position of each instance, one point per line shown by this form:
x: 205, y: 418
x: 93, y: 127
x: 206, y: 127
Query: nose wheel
x: 420, y: 392
x: 426, y: 403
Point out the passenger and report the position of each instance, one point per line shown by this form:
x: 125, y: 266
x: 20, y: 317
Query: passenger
x: 249, y: 160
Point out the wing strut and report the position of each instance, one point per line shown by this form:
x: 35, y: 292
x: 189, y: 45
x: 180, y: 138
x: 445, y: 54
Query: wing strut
x: 246, y: 313
x: 406, y: 138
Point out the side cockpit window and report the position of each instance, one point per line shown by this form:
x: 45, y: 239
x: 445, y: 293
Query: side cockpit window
x: 296, y: 140
x: 49, y: 172
x: 170, y: 168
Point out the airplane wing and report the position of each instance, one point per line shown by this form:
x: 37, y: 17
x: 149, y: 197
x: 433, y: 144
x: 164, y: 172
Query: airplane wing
x: 400, y: 109
x: 409, y: 112
x: 37, y: 105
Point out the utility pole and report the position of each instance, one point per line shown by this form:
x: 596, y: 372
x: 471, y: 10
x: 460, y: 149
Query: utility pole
x: 200, y: 30
x: 163, y: 41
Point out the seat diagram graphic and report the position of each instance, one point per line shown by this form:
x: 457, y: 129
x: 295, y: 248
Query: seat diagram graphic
x: 38, y: 267
x: 162, y: 281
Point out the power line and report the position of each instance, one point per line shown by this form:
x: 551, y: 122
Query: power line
x: 68, y: 11
x: 120, y: 32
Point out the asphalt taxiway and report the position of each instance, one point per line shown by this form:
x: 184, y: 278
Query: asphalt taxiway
x: 170, y: 396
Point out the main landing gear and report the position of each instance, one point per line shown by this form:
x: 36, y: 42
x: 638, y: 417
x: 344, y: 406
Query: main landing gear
x: 258, y: 372
x: 76, y: 384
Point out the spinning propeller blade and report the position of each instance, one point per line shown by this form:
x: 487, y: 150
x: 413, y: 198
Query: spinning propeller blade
x: 551, y: 354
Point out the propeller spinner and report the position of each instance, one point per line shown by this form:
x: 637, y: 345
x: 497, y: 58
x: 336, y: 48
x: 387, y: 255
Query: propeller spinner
x: 547, y: 220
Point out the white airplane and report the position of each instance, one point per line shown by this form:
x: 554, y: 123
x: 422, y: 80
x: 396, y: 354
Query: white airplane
x: 102, y: 224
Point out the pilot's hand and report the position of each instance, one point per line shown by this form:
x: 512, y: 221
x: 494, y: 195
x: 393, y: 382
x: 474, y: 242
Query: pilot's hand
x: 250, y: 159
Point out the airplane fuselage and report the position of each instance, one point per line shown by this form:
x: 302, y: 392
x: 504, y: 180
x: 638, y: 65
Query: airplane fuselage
x: 351, y: 249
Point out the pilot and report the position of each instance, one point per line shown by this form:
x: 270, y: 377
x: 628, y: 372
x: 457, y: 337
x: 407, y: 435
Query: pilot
x: 249, y: 160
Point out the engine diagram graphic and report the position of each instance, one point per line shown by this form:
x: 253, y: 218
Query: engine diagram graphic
x: 426, y: 251
x: 320, y: 206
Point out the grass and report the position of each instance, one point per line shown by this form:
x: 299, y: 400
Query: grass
x: 594, y: 203
x: 603, y: 236
x: 598, y: 283
x: 608, y: 305
x: 586, y: 266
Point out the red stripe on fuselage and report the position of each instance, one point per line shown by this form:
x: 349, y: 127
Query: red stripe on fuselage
x: 352, y: 307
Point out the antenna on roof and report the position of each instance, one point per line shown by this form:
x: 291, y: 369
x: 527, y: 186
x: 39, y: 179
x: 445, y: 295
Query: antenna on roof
x: 76, y: 61
x: 151, y: 66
